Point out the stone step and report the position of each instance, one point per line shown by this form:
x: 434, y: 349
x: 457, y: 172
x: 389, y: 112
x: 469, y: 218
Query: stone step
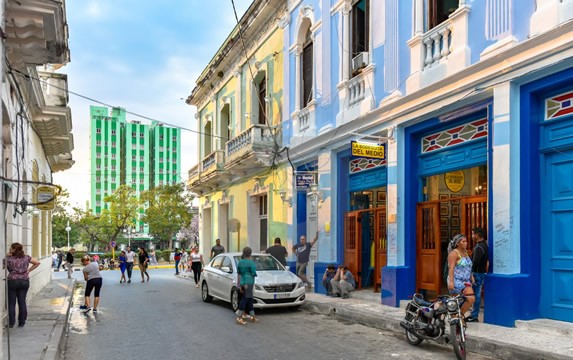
x: 546, y: 326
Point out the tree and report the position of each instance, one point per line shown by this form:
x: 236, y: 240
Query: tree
x: 190, y: 234
x: 167, y: 211
x: 60, y: 218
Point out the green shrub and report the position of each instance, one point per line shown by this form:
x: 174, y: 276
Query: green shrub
x: 166, y: 255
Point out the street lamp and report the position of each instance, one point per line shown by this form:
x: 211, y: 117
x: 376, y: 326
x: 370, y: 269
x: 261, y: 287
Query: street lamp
x: 129, y: 231
x: 68, y: 228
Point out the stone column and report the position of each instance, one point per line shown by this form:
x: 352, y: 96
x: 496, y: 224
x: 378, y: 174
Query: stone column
x: 392, y: 200
x: 297, y: 77
x: 419, y: 18
x: 346, y: 42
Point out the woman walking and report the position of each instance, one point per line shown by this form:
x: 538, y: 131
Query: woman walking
x: 246, y: 271
x: 460, y: 275
x: 143, y: 262
x: 196, y: 265
x: 18, y: 265
x: 122, y: 266
x: 94, y: 281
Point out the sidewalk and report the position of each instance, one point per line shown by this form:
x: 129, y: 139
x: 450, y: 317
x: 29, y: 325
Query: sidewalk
x: 536, y: 339
x: 45, y: 332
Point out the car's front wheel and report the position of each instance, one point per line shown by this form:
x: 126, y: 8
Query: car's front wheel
x: 205, y: 292
x: 235, y: 300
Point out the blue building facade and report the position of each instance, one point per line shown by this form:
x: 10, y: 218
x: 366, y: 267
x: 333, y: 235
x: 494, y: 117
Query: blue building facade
x: 471, y: 104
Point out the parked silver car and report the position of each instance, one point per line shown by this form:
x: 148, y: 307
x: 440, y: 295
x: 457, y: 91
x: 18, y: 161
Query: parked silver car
x: 275, y: 286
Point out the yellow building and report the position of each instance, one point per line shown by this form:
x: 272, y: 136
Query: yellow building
x: 240, y: 102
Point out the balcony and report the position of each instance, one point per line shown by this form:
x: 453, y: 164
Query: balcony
x: 304, y: 124
x: 252, y: 147
x: 209, y: 173
x: 441, y: 51
x: 356, y: 95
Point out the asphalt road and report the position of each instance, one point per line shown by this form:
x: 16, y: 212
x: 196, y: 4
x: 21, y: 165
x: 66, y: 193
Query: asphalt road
x: 166, y: 319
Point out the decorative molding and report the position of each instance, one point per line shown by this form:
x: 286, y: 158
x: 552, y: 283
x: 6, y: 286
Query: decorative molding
x: 457, y: 135
x: 361, y: 164
x: 559, y: 106
x: 284, y: 21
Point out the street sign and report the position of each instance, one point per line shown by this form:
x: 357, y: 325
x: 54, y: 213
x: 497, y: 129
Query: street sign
x: 304, y: 180
x: 112, y: 244
x: 45, y: 198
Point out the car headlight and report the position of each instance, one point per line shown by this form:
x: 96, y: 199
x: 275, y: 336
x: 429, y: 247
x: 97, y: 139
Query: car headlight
x: 299, y: 284
x: 259, y: 288
x: 452, y: 305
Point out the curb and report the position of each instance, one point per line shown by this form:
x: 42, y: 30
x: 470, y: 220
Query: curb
x: 58, y: 337
x: 482, y: 346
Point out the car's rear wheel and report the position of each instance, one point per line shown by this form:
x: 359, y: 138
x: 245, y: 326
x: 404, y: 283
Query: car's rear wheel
x: 235, y: 300
x: 205, y: 292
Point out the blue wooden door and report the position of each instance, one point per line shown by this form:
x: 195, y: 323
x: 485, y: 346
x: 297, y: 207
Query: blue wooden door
x: 557, y: 236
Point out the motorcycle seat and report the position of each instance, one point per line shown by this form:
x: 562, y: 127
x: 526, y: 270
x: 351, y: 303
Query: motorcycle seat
x: 420, y: 301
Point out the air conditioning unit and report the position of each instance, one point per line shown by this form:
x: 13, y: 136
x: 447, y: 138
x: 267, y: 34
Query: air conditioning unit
x: 360, y: 61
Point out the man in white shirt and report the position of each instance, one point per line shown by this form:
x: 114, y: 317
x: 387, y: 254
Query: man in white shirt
x: 130, y: 256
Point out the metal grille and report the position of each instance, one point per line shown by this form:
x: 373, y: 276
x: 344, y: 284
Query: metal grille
x: 279, y: 288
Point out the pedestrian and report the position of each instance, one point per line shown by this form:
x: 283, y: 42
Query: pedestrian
x: 54, y: 259
x: 60, y: 259
x: 122, y: 265
x: 94, y: 282
x: 479, y: 269
x: 460, y: 271
x: 143, y: 262
x: 196, y: 265
x: 177, y: 258
x: 246, y: 273
x: 343, y: 282
x: 153, y: 260
x: 18, y: 265
x: 328, y: 275
x: 70, y: 261
x: 130, y: 258
x: 278, y: 251
x: 184, y: 260
x: 217, y: 249
x: 302, y: 252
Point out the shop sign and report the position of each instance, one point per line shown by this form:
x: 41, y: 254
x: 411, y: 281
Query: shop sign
x: 455, y: 180
x: 366, y: 150
x: 303, y: 181
x: 45, y: 198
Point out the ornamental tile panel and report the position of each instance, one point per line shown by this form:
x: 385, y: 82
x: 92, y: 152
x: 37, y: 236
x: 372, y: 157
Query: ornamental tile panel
x: 457, y: 135
x: 360, y: 164
x: 559, y: 106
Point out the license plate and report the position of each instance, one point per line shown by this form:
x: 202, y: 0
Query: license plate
x: 282, y: 296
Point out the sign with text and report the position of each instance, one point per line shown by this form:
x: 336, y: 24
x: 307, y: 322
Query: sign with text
x: 367, y: 150
x: 303, y: 181
x: 45, y: 196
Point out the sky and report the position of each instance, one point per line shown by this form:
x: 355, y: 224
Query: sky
x: 144, y: 56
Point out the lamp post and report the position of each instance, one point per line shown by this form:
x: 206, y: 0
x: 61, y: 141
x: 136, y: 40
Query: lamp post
x: 68, y: 228
x: 130, y: 231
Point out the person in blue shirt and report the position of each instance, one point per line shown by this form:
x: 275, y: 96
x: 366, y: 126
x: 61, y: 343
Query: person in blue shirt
x: 343, y: 282
x: 328, y: 275
x: 122, y: 266
x: 246, y: 271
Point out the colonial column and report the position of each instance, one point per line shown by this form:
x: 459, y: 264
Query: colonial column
x: 297, y: 76
x: 346, y: 42
x: 239, y: 104
x: 505, y: 189
x: 419, y: 18
x: 392, y: 199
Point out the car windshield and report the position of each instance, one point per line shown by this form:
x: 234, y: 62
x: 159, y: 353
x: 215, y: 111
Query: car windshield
x: 264, y: 262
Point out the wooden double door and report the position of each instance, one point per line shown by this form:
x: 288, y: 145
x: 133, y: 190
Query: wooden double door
x: 364, y: 239
x: 434, y: 230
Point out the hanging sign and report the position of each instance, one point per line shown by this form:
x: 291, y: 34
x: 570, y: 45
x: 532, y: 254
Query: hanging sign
x: 303, y: 181
x: 455, y: 180
x: 366, y: 150
x: 45, y: 197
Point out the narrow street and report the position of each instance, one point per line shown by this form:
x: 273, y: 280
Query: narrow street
x: 166, y: 319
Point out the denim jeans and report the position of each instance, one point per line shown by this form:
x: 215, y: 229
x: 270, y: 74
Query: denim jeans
x: 177, y: 267
x: 129, y: 267
x: 477, y: 286
x: 17, y: 290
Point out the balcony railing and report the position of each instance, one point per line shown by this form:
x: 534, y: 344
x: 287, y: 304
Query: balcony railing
x: 254, y: 138
x: 304, y: 119
x: 356, y: 90
x: 213, y: 161
x: 437, y: 43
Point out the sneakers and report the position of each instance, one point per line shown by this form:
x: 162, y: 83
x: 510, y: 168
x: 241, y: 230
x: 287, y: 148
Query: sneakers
x: 128, y: 281
x: 240, y: 321
x: 83, y: 307
x: 345, y: 296
x: 87, y: 310
x: 472, y: 319
x: 95, y: 311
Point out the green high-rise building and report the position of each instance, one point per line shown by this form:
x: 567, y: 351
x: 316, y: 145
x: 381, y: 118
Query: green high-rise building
x: 132, y: 153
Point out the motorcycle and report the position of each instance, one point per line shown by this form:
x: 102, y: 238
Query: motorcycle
x: 428, y: 320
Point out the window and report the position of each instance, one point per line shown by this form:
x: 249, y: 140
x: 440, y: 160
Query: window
x: 98, y: 142
x: 98, y: 167
x: 98, y: 178
x: 141, y: 147
x: 141, y: 135
x: 113, y: 132
x: 262, y: 103
x: 174, y: 138
x: 360, y: 28
x: 113, y: 156
x: 263, y: 220
x: 98, y: 131
x: 134, y: 146
x: 113, y: 144
x: 133, y: 134
x: 440, y: 10
x: 141, y: 169
x: 161, y: 137
x: 141, y: 181
x: 133, y: 157
x: 307, y: 70
x: 141, y: 158
x: 98, y: 155
x: 113, y: 168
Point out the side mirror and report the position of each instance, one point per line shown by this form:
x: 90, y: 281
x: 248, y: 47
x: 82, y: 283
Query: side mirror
x: 226, y: 269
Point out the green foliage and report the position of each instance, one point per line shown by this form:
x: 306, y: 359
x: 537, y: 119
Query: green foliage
x: 167, y: 210
x: 165, y: 254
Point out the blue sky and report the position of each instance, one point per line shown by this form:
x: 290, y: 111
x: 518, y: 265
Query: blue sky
x: 143, y: 56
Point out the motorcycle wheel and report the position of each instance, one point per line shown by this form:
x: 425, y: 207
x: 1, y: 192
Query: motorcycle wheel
x: 411, y: 337
x: 457, y: 340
